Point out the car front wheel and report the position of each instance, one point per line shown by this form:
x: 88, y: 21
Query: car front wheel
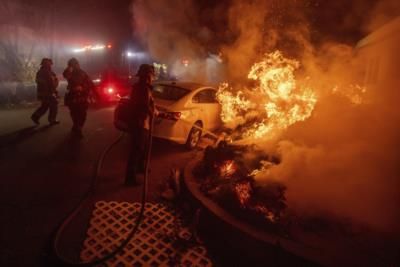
x: 194, y: 136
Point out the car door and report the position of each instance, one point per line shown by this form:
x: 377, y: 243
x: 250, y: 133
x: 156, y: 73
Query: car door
x: 208, y: 107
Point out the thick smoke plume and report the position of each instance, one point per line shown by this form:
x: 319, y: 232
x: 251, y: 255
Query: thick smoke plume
x: 171, y: 34
x: 344, y: 160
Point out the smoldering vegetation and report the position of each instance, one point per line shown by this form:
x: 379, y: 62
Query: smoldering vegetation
x: 341, y: 162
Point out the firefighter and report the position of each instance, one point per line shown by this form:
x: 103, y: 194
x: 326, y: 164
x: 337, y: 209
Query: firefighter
x: 47, y: 83
x: 142, y: 107
x: 77, y: 96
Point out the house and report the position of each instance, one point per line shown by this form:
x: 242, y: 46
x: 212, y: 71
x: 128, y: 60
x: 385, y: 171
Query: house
x: 378, y: 59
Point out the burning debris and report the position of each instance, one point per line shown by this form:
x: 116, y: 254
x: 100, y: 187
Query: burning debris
x: 243, y: 192
x: 226, y: 175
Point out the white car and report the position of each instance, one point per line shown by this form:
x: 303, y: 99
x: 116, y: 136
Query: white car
x: 185, y: 110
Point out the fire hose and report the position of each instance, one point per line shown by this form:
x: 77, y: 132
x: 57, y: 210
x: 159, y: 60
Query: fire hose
x: 67, y: 262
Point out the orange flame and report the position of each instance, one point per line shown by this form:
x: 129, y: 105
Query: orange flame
x: 355, y: 93
x: 227, y: 169
x: 264, y: 169
x: 233, y: 105
x: 279, y: 97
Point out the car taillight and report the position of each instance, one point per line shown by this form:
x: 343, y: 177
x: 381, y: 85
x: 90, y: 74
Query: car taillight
x: 170, y: 115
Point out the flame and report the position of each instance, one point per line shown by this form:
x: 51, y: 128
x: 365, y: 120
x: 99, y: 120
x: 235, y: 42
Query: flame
x: 281, y: 101
x: 227, y: 169
x: 233, y: 105
x: 243, y: 192
x: 264, y: 169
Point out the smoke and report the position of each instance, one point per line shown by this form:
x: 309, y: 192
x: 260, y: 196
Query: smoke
x: 342, y: 161
x: 382, y: 13
x: 165, y: 29
x: 171, y: 34
x: 263, y: 26
x: 238, y: 31
x: 246, y: 22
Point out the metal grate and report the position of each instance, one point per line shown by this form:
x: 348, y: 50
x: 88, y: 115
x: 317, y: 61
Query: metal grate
x: 160, y: 241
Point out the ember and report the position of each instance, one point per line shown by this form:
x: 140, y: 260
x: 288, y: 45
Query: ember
x: 227, y: 169
x: 243, y: 193
x: 267, y: 213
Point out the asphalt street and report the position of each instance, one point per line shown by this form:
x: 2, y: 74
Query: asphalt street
x: 44, y: 173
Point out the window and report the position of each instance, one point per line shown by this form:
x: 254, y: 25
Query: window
x: 167, y: 92
x: 205, y: 96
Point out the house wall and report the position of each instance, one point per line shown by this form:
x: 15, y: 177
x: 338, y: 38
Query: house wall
x: 379, y: 63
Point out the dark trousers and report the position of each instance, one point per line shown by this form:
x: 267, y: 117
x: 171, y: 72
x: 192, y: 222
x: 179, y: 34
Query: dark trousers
x: 78, y: 115
x: 47, y: 103
x: 137, y: 153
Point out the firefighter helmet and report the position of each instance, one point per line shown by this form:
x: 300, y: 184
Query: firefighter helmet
x: 73, y: 62
x: 46, y: 61
x: 145, y: 69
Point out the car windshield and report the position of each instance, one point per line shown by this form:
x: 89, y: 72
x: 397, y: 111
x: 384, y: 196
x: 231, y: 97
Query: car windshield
x: 167, y: 92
